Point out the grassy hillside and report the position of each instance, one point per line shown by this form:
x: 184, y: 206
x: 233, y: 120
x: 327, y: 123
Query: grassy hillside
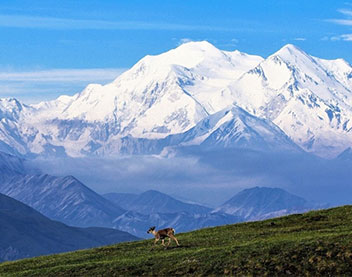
x: 316, y: 243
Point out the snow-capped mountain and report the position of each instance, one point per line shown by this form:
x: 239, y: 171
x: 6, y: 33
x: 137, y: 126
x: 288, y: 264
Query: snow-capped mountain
x: 310, y: 99
x: 261, y: 203
x: 163, y: 97
x: 235, y: 128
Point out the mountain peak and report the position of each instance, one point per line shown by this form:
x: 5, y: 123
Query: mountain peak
x: 153, y: 201
x: 261, y: 190
x: 188, y: 55
x: 263, y: 202
x: 291, y: 47
x: 288, y: 51
x: 197, y: 45
x: 153, y: 192
x: 10, y: 105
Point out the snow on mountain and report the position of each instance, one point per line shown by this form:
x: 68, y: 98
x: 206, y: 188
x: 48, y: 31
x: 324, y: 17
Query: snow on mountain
x: 11, y: 135
x: 301, y: 95
x: 231, y: 127
x: 340, y: 69
x: 162, y: 96
x: 260, y: 203
x: 236, y: 128
x: 154, y: 92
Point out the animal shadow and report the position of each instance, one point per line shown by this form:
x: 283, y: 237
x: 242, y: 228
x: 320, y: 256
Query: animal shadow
x: 177, y: 247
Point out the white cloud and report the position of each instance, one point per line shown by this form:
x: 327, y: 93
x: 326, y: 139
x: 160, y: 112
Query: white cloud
x: 62, y: 75
x: 345, y: 12
x: 184, y: 40
x: 35, y: 86
x: 346, y: 22
x: 344, y: 37
x: 229, y: 44
x: 335, y: 38
x: 300, y: 39
x: 38, y: 22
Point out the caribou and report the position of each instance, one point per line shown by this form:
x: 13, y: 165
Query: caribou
x: 162, y: 234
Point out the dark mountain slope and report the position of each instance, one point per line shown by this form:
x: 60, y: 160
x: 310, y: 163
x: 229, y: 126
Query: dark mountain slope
x: 27, y: 233
x: 60, y: 198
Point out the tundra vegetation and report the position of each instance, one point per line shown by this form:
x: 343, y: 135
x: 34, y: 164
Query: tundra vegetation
x: 317, y: 243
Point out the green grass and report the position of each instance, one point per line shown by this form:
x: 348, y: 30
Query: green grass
x: 314, y: 244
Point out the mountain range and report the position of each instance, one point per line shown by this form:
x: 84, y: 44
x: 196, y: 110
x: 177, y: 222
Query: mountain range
x: 195, y: 94
x: 156, y: 208
x: 27, y: 233
x: 68, y: 200
x: 64, y: 199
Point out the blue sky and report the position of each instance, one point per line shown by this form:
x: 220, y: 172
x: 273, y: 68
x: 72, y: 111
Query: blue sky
x: 53, y: 47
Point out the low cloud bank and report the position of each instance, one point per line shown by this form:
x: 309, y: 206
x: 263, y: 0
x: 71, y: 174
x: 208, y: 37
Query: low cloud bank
x: 211, y: 177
